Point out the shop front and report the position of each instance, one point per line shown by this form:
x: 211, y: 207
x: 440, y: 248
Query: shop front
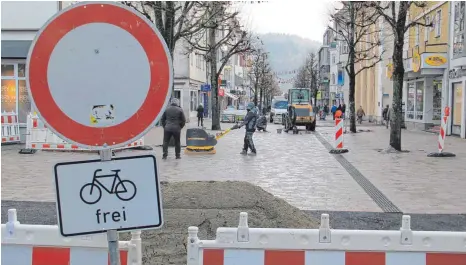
x: 458, y: 97
x: 425, y: 84
x: 14, y: 91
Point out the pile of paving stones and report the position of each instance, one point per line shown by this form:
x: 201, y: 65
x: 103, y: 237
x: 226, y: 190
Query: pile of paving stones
x: 209, y: 205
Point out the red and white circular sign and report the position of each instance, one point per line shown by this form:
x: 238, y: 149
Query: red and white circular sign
x: 99, y: 74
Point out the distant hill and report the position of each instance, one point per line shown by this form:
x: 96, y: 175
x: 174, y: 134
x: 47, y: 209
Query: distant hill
x: 287, y: 52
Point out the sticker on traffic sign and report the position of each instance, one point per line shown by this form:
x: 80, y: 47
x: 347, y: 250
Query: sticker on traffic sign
x: 99, y: 74
x: 94, y: 196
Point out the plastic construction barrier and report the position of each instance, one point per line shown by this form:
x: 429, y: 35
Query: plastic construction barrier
x: 43, y: 244
x: 39, y: 137
x: 325, y: 246
x: 10, y: 128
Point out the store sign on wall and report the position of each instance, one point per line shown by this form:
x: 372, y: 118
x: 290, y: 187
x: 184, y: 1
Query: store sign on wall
x: 436, y: 60
x: 456, y: 73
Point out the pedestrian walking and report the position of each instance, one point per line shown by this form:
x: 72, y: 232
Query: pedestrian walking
x: 386, y: 115
x: 250, y: 122
x: 343, y: 110
x: 325, y: 111
x: 360, y: 113
x: 200, y: 115
x: 173, y: 120
x: 333, y: 110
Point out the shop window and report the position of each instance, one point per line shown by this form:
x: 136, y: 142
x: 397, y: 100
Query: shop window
x: 410, y: 101
x: 177, y: 94
x: 8, y: 70
x: 194, y: 101
x: 437, y: 101
x: 457, y: 104
x: 419, y: 100
x: 14, y: 92
x: 8, y: 95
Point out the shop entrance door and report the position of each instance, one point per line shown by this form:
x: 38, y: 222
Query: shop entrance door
x: 437, y: 102
x: 457, y: 114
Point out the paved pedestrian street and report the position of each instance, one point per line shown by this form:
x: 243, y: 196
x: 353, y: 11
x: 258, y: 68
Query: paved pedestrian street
x: 297, y: 168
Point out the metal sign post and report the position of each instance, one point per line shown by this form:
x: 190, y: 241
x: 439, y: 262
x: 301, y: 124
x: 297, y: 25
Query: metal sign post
x: 112, y: 234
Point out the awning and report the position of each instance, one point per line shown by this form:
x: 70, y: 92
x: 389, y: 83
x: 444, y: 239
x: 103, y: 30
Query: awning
x: 231, y: 95
x: 15, y: 49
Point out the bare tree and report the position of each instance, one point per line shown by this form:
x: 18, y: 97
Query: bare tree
x: 223, y: 33
x: 308, y: 74
x: 355, y: 26
x: 259, y: 70
x: 178, y: 19
x: 395, y: 14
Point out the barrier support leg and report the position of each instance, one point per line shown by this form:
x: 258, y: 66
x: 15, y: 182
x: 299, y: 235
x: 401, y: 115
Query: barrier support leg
x: 136, y: 240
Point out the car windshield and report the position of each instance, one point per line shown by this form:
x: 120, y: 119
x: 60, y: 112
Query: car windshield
x: 280, y: 105
x: 231, y: 108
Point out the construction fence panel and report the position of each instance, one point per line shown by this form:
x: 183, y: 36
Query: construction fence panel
x: 24, y: 244
x: 325, y: 246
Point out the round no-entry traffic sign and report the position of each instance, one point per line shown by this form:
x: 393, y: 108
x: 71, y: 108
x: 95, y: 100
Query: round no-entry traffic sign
x: 99, y: 73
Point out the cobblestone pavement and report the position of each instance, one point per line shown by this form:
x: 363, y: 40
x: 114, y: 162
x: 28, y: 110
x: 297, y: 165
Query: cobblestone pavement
x: 297, y: 168
x: 412, y: 181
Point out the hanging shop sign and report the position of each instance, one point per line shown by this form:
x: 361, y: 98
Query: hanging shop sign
x: 389, y: 70
x: 434, y: 60
x: 416, y: 62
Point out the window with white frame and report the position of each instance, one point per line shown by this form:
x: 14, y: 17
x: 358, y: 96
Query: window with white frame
x: 14, y: 91
x: 333, y: 58
x: 333, y: 79
x: 194, y: 101
x: 426, y: 29
x: 344, y: 48
x: 438, y: 23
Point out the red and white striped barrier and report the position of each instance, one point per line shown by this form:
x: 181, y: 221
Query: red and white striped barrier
x: 338, y: 147
x: 43, y: 244
x: 441, y: 136
x: 325, y: 246
x: 10, y: 128
x: 39, y: 137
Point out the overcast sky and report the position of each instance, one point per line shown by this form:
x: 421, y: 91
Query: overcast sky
x: 305, y: 18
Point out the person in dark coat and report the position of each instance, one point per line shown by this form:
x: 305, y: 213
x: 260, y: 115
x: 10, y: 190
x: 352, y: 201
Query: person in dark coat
x: 343, y: 110
x: 173, y: 120
x: 200, y: 115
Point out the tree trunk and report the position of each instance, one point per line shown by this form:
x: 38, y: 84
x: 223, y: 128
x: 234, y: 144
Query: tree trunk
x: 261, y: 101
x: 352, y: 73
x: 396, y: 118
x: 214, y: 82
x: 255, y: 94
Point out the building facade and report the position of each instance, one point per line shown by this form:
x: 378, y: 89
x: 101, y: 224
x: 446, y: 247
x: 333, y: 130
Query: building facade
x: 426, y: 66
x: 323, y: 95
x: 20, y: 23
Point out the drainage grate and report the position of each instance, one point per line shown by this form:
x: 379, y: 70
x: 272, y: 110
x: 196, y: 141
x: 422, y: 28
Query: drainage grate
x: 379, y: 198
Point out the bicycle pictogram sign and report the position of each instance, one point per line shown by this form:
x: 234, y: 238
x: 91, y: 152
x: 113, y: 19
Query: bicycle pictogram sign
x: 91, y: 193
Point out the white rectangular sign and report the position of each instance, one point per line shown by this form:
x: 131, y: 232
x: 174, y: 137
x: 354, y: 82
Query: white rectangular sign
x: 95, y: 196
